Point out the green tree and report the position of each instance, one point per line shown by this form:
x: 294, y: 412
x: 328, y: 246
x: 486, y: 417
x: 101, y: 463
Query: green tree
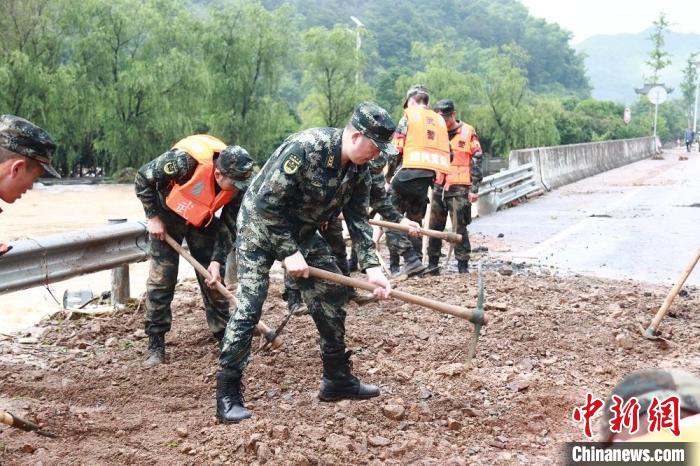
x: 332, y: 71
x: 658, y: 57
x: 510, y: 116
x: 442, y: 78
x: 246, y: 51
x: 689, y: 83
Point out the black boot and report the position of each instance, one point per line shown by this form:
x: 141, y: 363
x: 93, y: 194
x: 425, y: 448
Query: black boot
x: 338, y: 382
x: 433, y: 266
x: 156, y: 350
x: 463, y: 266
x: 394, y: 266
x: 295, y: 304
x: 229, y: 397
x: 412, y: 263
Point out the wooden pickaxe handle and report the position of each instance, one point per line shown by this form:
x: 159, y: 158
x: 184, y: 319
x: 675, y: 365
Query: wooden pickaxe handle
x: 19, y: 423
x: 261, y: 328
x: 654, y: 326
x: 446, y: 236
x: 451, y: 309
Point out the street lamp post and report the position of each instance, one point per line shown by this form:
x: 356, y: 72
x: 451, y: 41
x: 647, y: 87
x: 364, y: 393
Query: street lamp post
x: 358, y: 44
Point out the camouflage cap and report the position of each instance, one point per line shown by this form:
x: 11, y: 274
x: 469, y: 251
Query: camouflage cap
x: 444, y: 107
x: 374, y: 122
x: 235, y: 163
x: 646, y: 384
x: 25, y: 138
x: 416, y: 89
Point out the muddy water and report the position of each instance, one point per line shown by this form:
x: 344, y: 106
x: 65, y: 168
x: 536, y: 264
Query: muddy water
x: 47, y: 210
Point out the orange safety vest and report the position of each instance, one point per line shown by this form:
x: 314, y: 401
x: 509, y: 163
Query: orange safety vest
x: 196, y: 201
x: 461, y: 166
x: 427, y: 145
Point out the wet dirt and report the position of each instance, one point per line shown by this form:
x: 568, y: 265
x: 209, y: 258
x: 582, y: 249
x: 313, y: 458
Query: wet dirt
x: 551, y: 340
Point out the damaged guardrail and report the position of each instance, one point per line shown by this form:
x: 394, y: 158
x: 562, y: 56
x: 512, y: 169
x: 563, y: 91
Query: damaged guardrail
x: 504, y: 187
x: 41, y: 261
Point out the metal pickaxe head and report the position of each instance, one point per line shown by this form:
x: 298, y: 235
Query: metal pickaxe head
x: 478, y: 319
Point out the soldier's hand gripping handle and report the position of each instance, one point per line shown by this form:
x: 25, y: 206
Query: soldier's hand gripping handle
x: 296, y: 265
x: 156, y: 228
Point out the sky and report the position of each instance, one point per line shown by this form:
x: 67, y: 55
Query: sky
x: 586, y: 18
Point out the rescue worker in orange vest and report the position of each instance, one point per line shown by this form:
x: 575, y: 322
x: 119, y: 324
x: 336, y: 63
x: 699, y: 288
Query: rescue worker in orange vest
x: 181, y: 191
x: 424, y: 151
x: 455, y: 192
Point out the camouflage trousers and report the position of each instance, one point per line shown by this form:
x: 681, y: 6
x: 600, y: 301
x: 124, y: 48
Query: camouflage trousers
x: 333, y: 235
x: 460, y: 211
x: 162, y: 277
x: 325, y: 300
x: 411, y: 199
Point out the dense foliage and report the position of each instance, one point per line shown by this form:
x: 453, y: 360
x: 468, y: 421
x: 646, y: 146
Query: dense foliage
x: 118, y: 81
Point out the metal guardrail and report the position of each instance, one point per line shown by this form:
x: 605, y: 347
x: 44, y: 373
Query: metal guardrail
x: 40, y: 261
x: 506, y: 186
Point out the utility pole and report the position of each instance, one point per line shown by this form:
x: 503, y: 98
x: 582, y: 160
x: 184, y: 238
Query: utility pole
x: 697, y: 84
x: 358, y: 44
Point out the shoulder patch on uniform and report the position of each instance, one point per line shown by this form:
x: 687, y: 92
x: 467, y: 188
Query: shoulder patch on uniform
x: 292, y: 163
x: 170, y: 168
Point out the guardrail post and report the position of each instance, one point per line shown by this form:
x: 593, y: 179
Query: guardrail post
x: 120, y: 278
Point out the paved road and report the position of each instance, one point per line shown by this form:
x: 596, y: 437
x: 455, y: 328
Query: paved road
x: 632, y: 222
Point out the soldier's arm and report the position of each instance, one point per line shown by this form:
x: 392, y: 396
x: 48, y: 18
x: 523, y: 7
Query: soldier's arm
x: 355, y: 213
x: 173, y: 166
x: 477, y: 159
x: 398, y: 141
x: 226, y: 233
x: 379, y: 201
x: 275, y: 197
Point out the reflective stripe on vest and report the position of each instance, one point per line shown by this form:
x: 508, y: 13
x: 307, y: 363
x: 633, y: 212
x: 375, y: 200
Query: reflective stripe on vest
x: 427, y: 145
x: 196, y: 201
x: 460, y: 168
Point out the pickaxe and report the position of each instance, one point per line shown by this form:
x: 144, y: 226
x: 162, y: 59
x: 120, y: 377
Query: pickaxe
x: 477, y: 317
x: 652, y: 332
x: 19, y: 423
x: 445, y: 236
x: 261, y: 328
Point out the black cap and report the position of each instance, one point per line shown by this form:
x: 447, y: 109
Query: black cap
x: 374, y: 122
x: 444, y: 107
x: 235, y: 163
x: 25, y: 138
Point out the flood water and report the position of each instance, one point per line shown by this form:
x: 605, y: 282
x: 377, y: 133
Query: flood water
x: 47, y: 210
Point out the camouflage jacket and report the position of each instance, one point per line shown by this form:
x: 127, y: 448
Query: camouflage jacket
x: 379, y: 201
x: 302, y: 186
x: 155, y: 180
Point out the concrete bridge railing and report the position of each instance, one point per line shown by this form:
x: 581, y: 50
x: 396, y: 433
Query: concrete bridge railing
x: 560, y: 165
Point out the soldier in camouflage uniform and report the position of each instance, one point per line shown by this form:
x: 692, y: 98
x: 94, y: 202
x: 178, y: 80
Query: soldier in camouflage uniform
x: 644, y: 386
x: 332, y: 233
x: 455, y: 201
x: 379, y: 203
x: 309, y: 180
x: 209, y: 243
x: 25, y: 153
